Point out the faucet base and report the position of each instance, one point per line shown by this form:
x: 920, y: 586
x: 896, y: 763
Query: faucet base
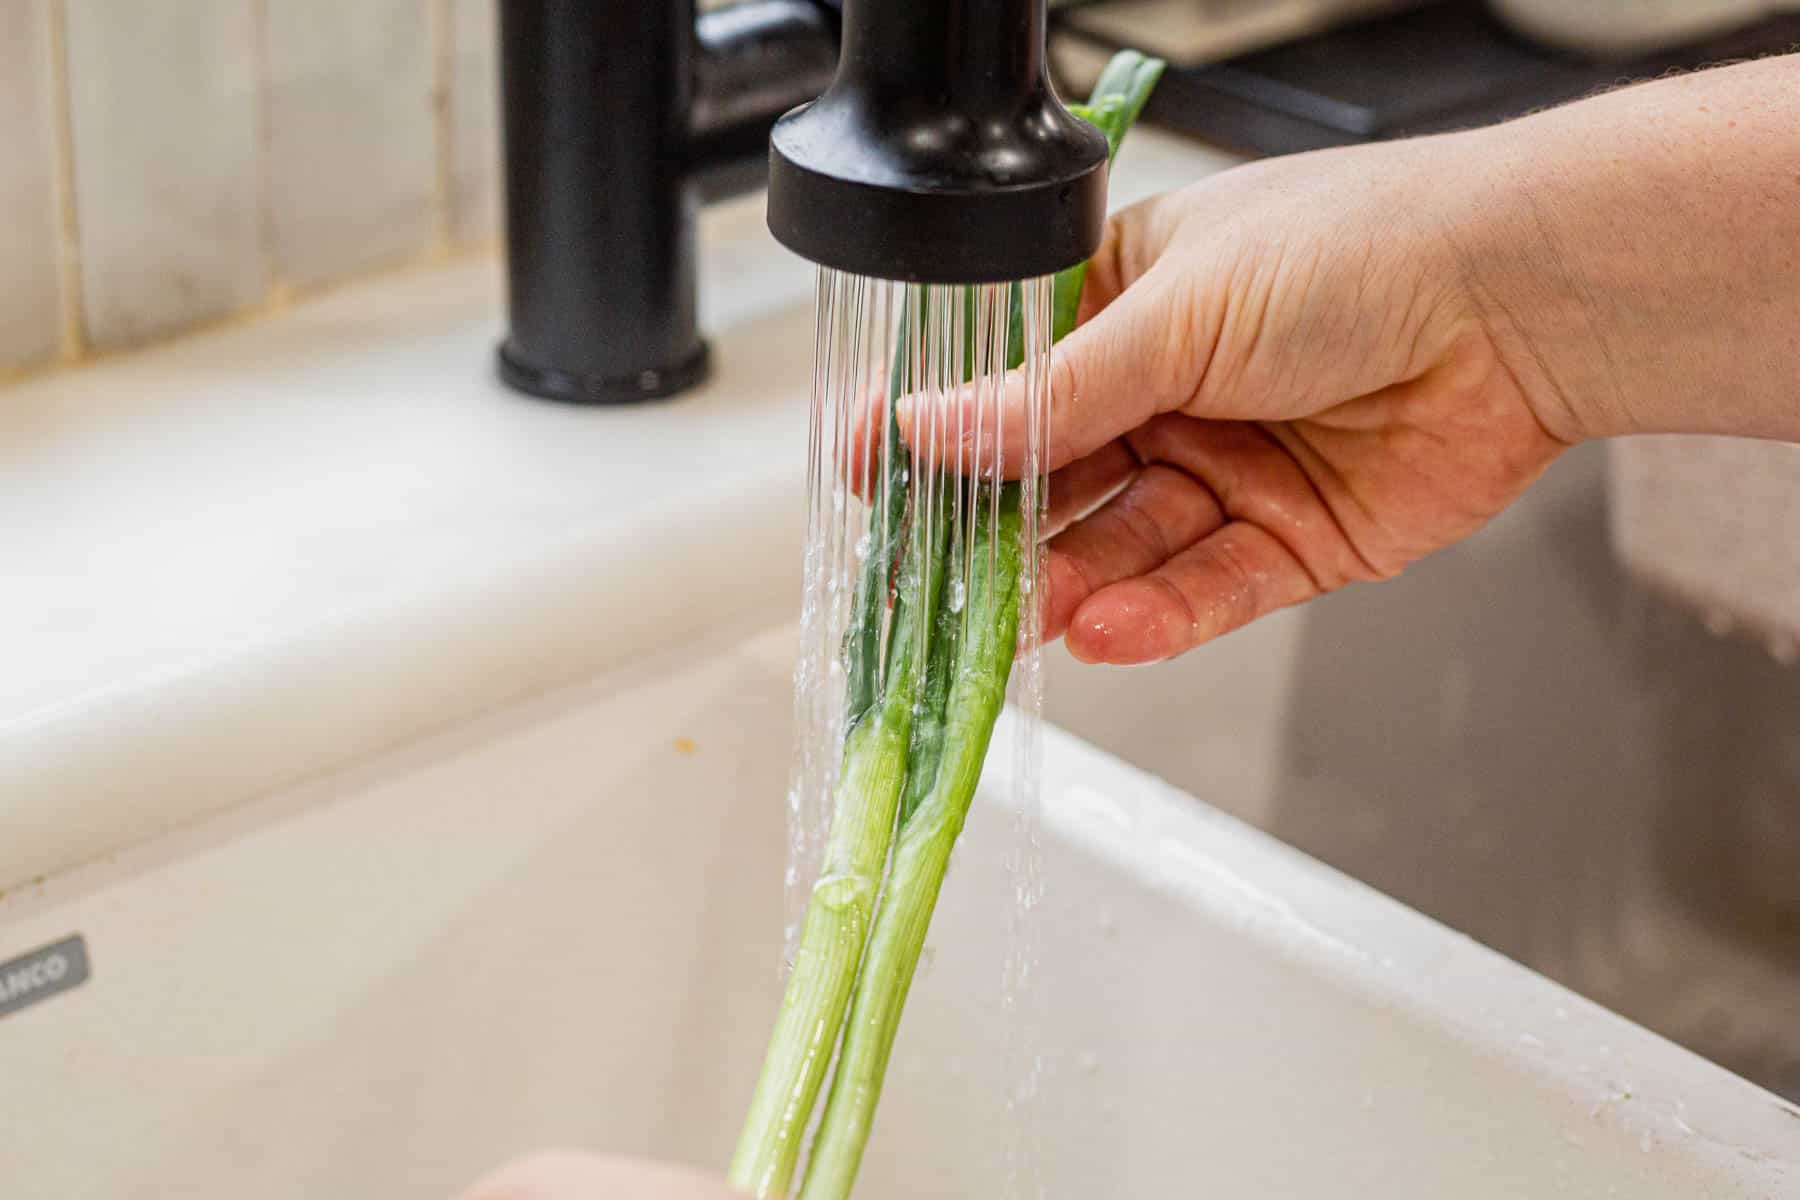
x: 652, y: 383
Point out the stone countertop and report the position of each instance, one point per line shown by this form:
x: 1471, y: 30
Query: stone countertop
x: 261, y: 553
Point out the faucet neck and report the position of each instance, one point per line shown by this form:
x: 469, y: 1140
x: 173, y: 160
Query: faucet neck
x: 611, y: 109
x: 967, y: 53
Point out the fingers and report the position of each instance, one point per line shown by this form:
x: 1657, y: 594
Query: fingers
x: 1082, y: 486
x: 1161, y: 513
x: 1258, y: 478
x: 1224, y: 581
x: 863, y: 437
x: 1221, y: 525
x: 1130, y: 362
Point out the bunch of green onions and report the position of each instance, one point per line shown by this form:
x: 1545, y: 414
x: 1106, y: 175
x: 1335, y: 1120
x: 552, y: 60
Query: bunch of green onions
x: 924, y: 686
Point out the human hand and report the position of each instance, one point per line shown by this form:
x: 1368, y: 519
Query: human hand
x: 565, y: 1175
x: 1280, y: 386
x: 1318, y: 369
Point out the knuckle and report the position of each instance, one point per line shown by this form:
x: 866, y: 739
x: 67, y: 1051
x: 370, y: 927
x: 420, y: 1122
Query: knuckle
x: 1179, y: 604
x: 1064, y: 379
x: 1142, y: 513
x: 1239, y: 591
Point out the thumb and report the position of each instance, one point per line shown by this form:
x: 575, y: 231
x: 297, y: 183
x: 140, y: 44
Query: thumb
x: 1132, y: 360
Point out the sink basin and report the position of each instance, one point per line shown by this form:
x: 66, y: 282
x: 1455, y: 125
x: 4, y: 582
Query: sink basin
x: 561, y: 925
x: 410, y: 764
x: 1515, y: 738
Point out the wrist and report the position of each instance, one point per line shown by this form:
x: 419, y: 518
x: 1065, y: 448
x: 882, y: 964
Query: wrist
x: 1631, y: 258
x: 1511, y: 236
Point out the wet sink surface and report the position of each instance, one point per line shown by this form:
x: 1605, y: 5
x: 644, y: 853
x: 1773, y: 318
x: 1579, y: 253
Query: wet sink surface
x: 562, y: 926
x: 1516, y: 740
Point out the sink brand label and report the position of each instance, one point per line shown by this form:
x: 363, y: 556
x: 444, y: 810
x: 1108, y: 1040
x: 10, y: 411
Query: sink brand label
x: 42, y: 973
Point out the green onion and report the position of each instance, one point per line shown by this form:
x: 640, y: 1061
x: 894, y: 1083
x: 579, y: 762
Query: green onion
x: 911, y: 762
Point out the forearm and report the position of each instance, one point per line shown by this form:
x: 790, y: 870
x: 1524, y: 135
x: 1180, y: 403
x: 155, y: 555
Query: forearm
x: 1636, y: 257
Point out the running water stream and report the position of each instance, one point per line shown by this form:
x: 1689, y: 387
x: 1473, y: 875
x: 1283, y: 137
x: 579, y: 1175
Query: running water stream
x: 865, y: 497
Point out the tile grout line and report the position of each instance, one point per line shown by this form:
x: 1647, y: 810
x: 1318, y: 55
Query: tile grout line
x: 487, y: 250
x: 443, y: 67
x: 279, y: 295
x: 72, y: 332
x: 276, y: 293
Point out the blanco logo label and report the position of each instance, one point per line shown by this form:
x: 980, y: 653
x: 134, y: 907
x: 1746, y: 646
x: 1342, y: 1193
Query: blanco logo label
x: 42, y: 973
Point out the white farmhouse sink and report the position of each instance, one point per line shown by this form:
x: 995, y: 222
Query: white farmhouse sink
x: 561, y: 925
x: 362, y: 722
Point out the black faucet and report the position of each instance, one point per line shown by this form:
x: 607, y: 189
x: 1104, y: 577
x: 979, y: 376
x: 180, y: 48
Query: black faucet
x: 618, y: 117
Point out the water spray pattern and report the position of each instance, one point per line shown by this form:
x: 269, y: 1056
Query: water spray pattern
x: 875, y: 340
x: 922, y: 570
x: 921, y: 594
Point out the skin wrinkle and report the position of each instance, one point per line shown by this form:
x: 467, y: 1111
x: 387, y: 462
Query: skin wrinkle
x: 1202, y: 401
x: 1418, y: 361
x: 1298, y: 282
x: 1177, y: 600
x: 1198, y: 342
x: 1586, y: 303
x: 1483, y: 298
x: 1546, y: 249
x: 1249, y: 593
x: 1297, y: 432
x: 1158, y: 487
x: 1230, y: 491
x: 1131, y: 506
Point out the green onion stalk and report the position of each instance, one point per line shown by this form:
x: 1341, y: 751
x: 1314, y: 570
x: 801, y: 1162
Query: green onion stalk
x: 917, y: 735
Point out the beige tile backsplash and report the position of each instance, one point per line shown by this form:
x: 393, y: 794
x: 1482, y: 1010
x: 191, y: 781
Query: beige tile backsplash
x: 163, y: 104
x: 216, y: 154
x: 474, y: 108
x: 352, y: 136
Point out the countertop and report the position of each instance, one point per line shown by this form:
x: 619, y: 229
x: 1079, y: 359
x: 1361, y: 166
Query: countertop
x: 261, y: 553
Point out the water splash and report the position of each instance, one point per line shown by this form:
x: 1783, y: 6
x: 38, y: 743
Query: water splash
x: 1025, y: 1030
x: 871, y: 335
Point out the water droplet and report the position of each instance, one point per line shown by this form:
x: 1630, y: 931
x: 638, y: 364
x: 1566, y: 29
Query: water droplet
x: 958, y: 595
x: 862, y: 547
